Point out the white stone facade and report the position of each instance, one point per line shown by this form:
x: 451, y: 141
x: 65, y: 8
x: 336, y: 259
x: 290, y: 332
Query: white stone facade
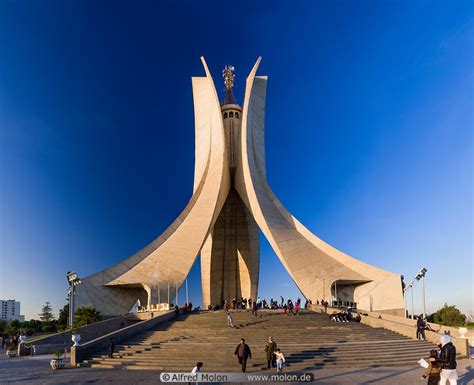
x: 231, y: 200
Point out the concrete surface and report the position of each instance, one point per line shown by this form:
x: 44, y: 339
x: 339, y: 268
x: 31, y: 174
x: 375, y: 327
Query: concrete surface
x: 36, y: 370
x: 230, y: 154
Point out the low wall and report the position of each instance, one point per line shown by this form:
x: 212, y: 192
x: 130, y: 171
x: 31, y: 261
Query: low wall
x: 407, y: 327
x: 63, y: 341
x: 451, y: 330
x: 83, y: 351
x: 461, y: 344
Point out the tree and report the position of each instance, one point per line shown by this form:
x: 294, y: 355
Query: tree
x: 12, y: 327
x: 46, y: 314
x: 86, y: 315
x: 47, y: 317
x: 33, y: 324
x: 63, y: 317
x: 448, y: 316
x: 3, y: 325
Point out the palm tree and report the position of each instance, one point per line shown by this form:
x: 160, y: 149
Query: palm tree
x: 86, y: 315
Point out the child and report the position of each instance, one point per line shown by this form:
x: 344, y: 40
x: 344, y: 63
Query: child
x: 433, y: 369
x: 280, y: 359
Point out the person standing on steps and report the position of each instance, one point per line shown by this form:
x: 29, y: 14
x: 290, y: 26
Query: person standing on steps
x: 254, y: 308
x: 280, y: 360
x: 243, y: 353
x: 447, y: 359
x: 230, y: 321
x: 111, y: 347
x: 297, y: 308
x: 270, y: 349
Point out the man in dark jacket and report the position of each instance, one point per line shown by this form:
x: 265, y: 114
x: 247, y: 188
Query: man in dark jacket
x: 242, y: 351
x: 447, y: 359
x: 270, y: 349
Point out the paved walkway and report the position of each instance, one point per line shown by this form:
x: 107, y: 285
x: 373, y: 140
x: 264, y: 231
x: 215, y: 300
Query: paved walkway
x: 36, y: 370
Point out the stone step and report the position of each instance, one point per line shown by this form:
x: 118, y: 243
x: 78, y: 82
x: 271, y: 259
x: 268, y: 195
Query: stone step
x: 308, y: 341
x: 258, y: 368
x: 287, y: 348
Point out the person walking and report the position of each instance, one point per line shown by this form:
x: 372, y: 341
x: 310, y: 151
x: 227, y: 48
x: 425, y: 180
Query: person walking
x: 270, y: 349
x: 230, y: 321
x: 447, y: 360
x: 111, y: 347
x: 433, y: 369
x: 243, y: 352
x: 196, y: 370
x: 280, y: 360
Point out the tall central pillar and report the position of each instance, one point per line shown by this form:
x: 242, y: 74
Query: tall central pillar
x: 230, y: 255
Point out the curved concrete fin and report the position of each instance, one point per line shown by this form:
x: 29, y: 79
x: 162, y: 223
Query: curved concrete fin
x: 168, y: 259
x: 316, y: 267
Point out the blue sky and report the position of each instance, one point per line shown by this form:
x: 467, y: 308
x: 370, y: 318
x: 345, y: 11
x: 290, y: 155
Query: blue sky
x: 368, y: 132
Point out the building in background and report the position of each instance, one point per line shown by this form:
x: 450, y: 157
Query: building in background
x: 10, y: 310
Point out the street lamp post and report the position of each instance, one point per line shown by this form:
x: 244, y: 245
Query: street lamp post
x: 421, y: 277
x: 408, y: 287
x: 73, y: 281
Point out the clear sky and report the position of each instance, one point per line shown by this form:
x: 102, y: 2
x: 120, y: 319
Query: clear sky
x: 368, y: 132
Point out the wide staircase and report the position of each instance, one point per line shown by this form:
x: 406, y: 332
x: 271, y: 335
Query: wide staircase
x: 308, y: 341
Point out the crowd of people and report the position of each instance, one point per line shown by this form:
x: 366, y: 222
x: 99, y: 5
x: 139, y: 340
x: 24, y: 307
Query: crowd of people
x: 345, y: 316
x: 8, y: 340
x: 289, y: 307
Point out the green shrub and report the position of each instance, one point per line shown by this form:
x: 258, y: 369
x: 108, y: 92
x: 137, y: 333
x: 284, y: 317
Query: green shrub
x: 58, y: 353
x: 448, y: 316
x: 48, y: 328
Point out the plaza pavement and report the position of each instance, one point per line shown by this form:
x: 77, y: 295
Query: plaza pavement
x: 36, y: 370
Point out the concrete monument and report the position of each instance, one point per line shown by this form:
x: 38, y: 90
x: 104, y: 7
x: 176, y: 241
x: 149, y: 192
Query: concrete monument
x: 231, y: 201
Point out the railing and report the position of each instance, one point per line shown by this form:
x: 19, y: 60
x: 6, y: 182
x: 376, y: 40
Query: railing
x: 83, y: 351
